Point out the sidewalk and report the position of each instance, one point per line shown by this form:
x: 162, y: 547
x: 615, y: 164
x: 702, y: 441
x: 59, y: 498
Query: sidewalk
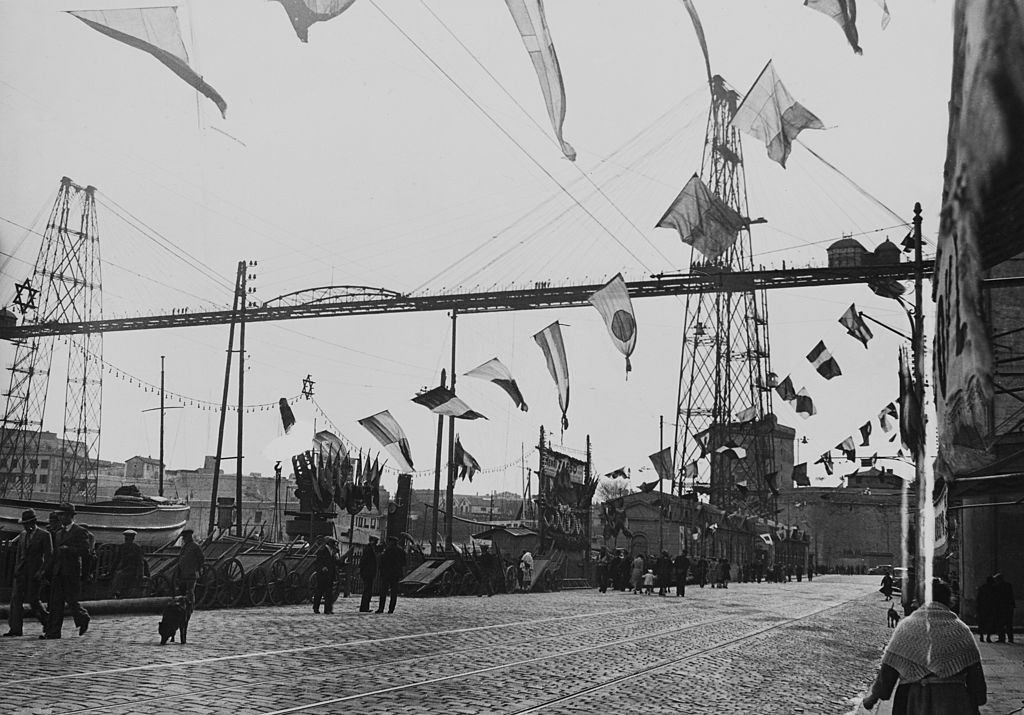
x: 1004, y: 673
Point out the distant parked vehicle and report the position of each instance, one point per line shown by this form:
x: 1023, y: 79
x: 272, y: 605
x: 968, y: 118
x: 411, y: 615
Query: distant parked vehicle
x: 880, y: 570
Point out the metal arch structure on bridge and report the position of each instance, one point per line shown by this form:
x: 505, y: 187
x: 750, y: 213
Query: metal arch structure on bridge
x: 338, y: 301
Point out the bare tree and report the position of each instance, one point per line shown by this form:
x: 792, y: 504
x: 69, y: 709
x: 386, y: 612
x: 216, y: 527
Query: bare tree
x: 612, y: 489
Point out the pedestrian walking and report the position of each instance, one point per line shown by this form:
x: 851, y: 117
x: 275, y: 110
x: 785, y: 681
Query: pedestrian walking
x: 799, y: 572
x: 663, y: 570
x: 191, y: 562
x: 129, y: 565
x: 933, y: 656
x: 392, y: 568
x: 637, y: 576
x: 368, y: 572
x: 601, y: 570
x: 1004, y: 603
x: 71, y: 545
x: 33, y: 549
x: 485, y: 563
x: 526, y: 562
x: 986, y: 610
x: 681, y: 566
x: 702, y: 572
x: 886, y: 584
x: 810, y: 572
x: 649, y: 579
x: 325, y: 574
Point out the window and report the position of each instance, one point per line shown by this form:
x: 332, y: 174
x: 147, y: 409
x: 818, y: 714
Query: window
x: 258, y: 517
x: 42, y: 479
x: 45, y: 463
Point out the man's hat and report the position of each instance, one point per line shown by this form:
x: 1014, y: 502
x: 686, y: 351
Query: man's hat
x: 28, y: 516
x: 188, y: 530
x: 373, y: 539
x: 66, y: 508
x: 130, y: 532
x: 330, y: 540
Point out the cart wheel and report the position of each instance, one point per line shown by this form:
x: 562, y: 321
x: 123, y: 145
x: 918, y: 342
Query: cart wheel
x: 230, y: 583
x: 296, y: 588
x: 278, y: 584
x: 259, y: 587
x: 511, y: 580
x: 468, y: 585
x: 447, y: 583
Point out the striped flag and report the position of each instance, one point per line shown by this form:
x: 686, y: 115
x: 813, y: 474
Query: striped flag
x: 442, y: 401
x: 465, y: 462
x: 612, y: 302
x: 826, y: 461
x: 865, y: 434
x: 550, y: 341
x: 390, y: 434
x: 849, y: 448
x: 662, y: 461
x: 823, y: 361
x: 786, y: 390
x: 155, y: 31
x: 495, y: 371
x: 304, y: 13
x: 888, y: 413
x: 855, y: 325
x: 533, y: 27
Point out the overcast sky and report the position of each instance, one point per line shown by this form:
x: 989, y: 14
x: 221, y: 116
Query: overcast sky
x: 384, y: 153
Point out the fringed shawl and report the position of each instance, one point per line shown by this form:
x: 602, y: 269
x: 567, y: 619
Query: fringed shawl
x: 931, y: 640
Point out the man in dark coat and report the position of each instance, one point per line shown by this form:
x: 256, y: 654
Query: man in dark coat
x: 1004, y: 604
x: 129, y: 565
x: 32, y: 550
x: 392, y: 568
x: 325, y: 573
x: 486, y: 564
x: 681, y: 566
x: 71, y: 544
x: 663, y: 570
x: 368, y: 572
x: 189, y: 568
x: 601, y: 570
x: 986, y: 610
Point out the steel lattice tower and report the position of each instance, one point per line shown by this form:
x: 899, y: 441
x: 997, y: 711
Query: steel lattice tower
x: 724, y: 357
x: 66, y: 281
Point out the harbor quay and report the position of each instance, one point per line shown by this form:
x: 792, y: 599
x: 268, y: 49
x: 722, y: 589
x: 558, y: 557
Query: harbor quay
x: 808, y: 647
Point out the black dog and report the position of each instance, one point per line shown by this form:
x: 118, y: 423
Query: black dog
x: 894, y: 617
x: 175, y: 619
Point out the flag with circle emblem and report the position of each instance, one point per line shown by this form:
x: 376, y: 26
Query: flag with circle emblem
x: 614, y: 305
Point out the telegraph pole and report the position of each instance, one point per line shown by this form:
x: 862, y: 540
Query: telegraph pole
x: 239, y: 279
x: 450, y: 493
x: 241, y: 398
x: 160, y: 485
x: 924, y: 496
x: 661, y: 488
x: 437, y: 475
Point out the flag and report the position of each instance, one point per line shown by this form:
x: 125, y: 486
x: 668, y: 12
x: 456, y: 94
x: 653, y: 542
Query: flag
x: 662, y: 461
x: 702, y: 219
x: 371, y: 484
x: 465, y: 462
x: 911, y: 424
x: 887, y: 413
x: 785, y: 389
x: 304, y: 13
x: 389, y: 433
x: 865, y: 434
x: 443, y: 401
x: 885, y: 13
x: 533, y: 27
x: 804, y: 404
x: 287, y: 416
x: 550, y: 341
x: 823, y: 361
x: 747, y: 415
x: 154, y: 30
x: 648, y: 487
x: 699, y: 29
x: 770, y: 113
x: 849, y: 448
x: 826, y: 460
x: 732, y: 451
x: 619, y: 473
x: 844, y: 12
x: 690, y: 470
x: 771, y: 479
x: 800, y: 475
x: 494, y: 371
x: 766, y: 538
x: 335, y: 445
x: 855, y: 325
x: 612, y: 302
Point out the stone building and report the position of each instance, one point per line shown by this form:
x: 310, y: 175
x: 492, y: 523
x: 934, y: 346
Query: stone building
x: 850, y: 253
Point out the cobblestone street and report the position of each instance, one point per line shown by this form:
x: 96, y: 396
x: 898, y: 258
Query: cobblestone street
x: 768, y: 648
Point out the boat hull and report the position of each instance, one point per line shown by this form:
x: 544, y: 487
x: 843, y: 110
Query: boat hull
x: 156, y: 524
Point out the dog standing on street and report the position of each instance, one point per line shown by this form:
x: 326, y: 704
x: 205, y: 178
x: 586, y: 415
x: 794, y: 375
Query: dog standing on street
x: 893, y: 617
x: 174, y: 620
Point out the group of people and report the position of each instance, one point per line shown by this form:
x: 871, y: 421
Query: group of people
x: 995, y: 609
x: 642, y: 574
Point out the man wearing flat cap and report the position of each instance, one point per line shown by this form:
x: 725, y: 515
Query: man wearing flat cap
x: 325, y: 573
x: 189, y: 568
x: 129, y: 565
x: 368, y: 572
x: 71, y: 544
x: 32, y: 551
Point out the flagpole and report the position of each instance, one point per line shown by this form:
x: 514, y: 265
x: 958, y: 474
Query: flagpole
x: 437, y: 475
x: 450, y: 492
x: 923, y: 494
x: 661, y: 488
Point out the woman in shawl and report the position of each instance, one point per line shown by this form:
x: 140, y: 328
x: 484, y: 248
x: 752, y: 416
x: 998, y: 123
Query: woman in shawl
x: 933, y: 655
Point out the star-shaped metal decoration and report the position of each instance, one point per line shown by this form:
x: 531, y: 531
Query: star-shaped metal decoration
x: 25, y: 296
x: 307, y: 387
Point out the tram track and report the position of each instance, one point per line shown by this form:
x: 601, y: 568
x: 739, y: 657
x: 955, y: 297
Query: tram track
x: 641, y: 672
